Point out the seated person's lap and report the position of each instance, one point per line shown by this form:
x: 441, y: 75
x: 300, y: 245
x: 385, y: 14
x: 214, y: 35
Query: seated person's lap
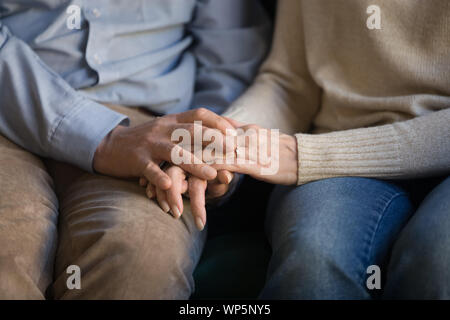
x: 326, y: 233
x: 125, y: 245
x: 28, y: 224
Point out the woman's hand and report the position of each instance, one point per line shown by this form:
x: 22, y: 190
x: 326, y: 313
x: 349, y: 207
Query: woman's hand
x: 263, y: 154
x: 198, y: 190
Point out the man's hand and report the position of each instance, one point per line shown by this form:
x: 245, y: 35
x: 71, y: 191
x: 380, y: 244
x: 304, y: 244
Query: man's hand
x: 138, y: 151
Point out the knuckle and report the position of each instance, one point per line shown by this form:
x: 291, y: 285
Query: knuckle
x: 191, y: 127
x: 158, y: 125
x: 252, y: 126
x: 201, y: 112
x: 157, y: 122
x: 170, y: 169
x: 218, y: 123
x: 148, y: 137
x: 170, y: 147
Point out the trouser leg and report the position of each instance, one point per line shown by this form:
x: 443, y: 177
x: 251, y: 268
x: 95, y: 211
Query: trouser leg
x: 325, y: 234
x: 28, y: 224
x: 419, y: 267
x: 125, y: 246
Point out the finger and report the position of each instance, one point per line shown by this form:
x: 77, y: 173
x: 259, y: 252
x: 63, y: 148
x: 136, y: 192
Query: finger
x: 217, y: 190
x: 162, y: 200
x: 235, y: 123
x: 202, y: 171
x: 224, y: 176
x: 248, y: 167
x: 143, y: 182
x: 190, y: 163
x: 156, y: 176
x: 150, y: 190
x: 184, y: 187
x: 173, y: 194
x: 197, y: 189
x: 208, y: 119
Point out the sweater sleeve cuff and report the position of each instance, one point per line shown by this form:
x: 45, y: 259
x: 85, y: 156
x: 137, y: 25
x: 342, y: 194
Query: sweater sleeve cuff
x: 78, y: 133
x: 367, y: 152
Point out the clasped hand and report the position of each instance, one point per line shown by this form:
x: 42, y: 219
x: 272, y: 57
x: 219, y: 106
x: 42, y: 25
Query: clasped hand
x: 203, y: 173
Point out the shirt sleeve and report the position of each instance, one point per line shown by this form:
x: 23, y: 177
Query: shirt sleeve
x: 44, y: 114
x: 231, y: 39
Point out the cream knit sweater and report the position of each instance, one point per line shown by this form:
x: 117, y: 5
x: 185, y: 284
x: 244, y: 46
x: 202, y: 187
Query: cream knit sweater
x: 363, y: 102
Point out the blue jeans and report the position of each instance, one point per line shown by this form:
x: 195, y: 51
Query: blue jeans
x: 326, y: 233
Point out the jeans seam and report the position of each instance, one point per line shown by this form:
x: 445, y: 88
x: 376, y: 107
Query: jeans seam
x: 380, y: 219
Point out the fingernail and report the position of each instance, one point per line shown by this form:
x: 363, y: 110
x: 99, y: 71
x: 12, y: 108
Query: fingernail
x: 209, y: 172
x: 165, y: 206
x: 229, y: 177
x: 149, y: 193
x: 175, y: 212
x: 199, y: 223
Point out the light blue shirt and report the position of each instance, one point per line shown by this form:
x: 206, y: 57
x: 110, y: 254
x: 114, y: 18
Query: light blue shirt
x: 164, y: 55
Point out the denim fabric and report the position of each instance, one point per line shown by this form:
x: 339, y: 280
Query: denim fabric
x: 326, y: 233
x: 419, y: 267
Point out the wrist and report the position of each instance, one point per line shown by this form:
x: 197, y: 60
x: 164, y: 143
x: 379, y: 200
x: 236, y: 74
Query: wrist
x: 291, y: 159
x: 104, y: 150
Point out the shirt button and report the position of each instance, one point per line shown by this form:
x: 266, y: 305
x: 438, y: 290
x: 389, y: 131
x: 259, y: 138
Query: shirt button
x: 97, y: 59
x: 96, y: 12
